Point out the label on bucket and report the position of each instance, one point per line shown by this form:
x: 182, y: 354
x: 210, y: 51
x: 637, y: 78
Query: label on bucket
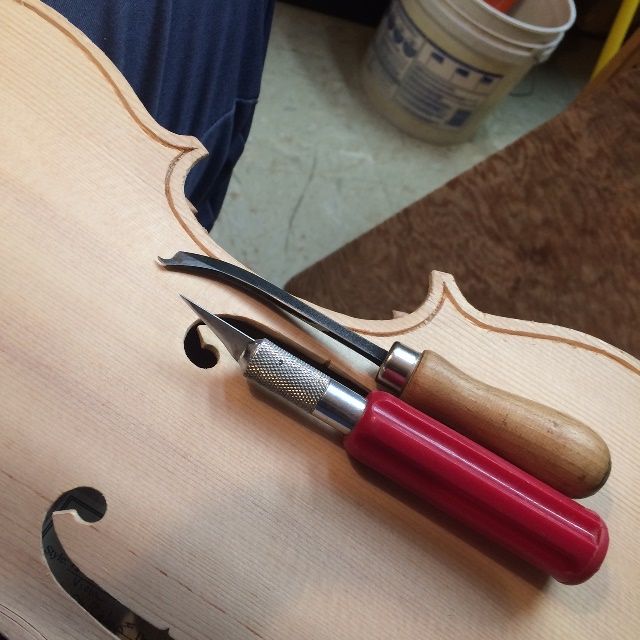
x: 421, y: 76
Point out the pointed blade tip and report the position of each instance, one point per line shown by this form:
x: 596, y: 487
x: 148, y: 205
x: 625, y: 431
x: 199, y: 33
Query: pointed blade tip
x: 192, y: 304
x: 204, y: 315
x: 233, y: 339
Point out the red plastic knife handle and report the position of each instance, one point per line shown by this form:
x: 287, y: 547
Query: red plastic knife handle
x: 478, y: 488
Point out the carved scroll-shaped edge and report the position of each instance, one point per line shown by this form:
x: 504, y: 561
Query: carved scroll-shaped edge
x: 189, y: 149
x: 442, y: 286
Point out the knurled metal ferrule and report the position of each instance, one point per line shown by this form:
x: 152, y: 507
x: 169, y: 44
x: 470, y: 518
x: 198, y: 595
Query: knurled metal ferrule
x: 271, y: 367
x: 282, y: 373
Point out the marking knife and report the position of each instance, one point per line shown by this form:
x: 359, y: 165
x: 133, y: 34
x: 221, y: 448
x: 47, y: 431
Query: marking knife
x: 427, y: 458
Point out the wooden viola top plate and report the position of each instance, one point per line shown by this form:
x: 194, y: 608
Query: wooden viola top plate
x: 228, y: 517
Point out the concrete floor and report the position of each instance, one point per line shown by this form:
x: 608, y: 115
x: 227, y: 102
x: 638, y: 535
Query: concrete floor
x: 321, y: 166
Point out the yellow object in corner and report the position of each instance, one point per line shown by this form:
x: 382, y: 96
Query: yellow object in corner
x: 617, y: 34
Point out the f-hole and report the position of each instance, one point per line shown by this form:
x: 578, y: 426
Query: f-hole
x: 202, y: 355
x: 91, y: 506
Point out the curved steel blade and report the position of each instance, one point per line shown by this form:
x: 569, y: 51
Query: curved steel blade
x: 265, y: 290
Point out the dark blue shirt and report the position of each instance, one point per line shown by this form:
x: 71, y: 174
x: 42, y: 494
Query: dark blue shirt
x: 195, y: 64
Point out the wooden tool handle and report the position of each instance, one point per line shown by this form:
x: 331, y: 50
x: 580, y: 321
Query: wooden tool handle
x: 552, y: 446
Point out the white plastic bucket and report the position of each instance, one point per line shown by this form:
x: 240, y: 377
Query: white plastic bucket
x: 437, y: 67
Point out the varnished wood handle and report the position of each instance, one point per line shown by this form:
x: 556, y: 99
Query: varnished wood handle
x: 556, y: 448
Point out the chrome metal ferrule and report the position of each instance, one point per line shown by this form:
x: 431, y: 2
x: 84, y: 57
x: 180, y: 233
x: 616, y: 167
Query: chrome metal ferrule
x: 397, y: 367
x: 340, y: 407
x: 285, y: 375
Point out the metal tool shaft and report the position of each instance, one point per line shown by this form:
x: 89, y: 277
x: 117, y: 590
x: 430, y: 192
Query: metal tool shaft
x: 269, y: 292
